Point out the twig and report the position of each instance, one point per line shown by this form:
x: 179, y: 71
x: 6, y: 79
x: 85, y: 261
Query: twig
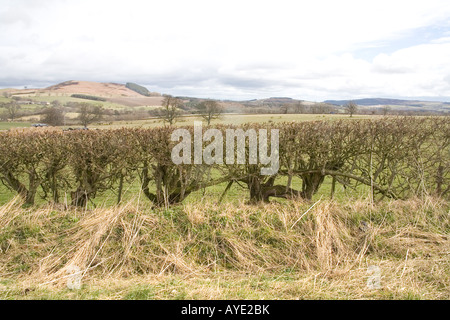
x: 306, y: 212
x: 404, y: 267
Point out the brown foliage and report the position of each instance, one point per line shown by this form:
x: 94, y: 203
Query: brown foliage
x: 396, y: 157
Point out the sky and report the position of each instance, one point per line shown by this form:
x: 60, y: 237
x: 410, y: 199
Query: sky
x: 309, y: 50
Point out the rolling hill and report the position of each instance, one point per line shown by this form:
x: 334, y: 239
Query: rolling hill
x: 398, y: 103
x: 134, y: 95
x: 111, y: 92
x: 92, y: 88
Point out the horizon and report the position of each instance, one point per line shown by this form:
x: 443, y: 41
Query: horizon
x: 424, y: 99
x: 233, y: 51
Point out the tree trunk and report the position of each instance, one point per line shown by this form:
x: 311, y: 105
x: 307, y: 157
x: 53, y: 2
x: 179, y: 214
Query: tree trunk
x: 79, y: 197
x: 311, y: 184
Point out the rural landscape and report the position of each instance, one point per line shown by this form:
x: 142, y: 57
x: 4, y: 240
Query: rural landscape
x: 352, y: 190
x: 256, y: 150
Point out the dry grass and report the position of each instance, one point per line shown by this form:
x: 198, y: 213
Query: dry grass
x: 206, y: 251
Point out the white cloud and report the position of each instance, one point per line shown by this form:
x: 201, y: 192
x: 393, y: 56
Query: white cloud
x: 229, y: 49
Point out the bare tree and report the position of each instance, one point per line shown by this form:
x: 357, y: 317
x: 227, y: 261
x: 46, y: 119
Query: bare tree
x: 385, y: 110
x: 170, y: 110
x: 12, y: 110
x: 351, y: 108
x: 299, y: 107
x: 54, y: 115
x: 322, y: 108
x: 89, y: 113
x: 284, y: 109
x: 209, y: 110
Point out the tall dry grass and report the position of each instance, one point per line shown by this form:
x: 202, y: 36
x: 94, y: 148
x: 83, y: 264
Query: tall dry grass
x: 328, y: 239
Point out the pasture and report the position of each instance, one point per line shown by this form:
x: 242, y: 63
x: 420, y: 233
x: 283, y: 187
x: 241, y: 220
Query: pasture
x: 237, y: 119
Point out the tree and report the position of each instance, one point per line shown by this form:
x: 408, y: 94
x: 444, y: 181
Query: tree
x: 322, y: 108
x: 385, y: 110
x: 12, y: 110
x: 209, y: 110
x: 89, y: 113
x: 299, y: 107
x: 351, y: 108
x: 170, y: 110
x: 137, y: 88
x: 284, y: 109
x: 53, y: 116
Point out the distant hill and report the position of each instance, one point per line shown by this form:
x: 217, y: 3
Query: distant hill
x: 134, y: 95
x: 92, y: 88
x: 384, y: 101
x: 273, y: 101
x: 399, y: 104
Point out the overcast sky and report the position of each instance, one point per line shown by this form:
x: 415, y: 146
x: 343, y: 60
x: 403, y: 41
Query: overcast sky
x: 311, y: 50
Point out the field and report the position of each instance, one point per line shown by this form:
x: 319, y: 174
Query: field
x: 10, y: 125
x: 235, y: 119
x: 231, y: 245
x: 224, y: 119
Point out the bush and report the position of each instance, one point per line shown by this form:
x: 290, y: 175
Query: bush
x: 397, y: 158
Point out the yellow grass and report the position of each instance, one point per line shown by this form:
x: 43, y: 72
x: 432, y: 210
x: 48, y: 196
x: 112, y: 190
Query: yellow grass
x: 229, y: 251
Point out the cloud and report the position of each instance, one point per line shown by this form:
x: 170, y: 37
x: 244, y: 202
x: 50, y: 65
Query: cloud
x: 233, y: 49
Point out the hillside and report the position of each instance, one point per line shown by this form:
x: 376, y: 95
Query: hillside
x: 115, y: 93
x: 93, y: 88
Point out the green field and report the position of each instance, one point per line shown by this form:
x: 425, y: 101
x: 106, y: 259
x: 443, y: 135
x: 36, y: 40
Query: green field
x: 235, y: 119
x: 225, y: 119
x: 9, y: 125
x: 65, y: 99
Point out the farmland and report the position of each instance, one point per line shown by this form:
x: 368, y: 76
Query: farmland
x: 151, y: 122
x: 349, y: 194
x: 170, y: 150
x: 121, y: 106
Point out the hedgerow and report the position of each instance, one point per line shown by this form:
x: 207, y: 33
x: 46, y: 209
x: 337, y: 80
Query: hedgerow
x: 396, y: 157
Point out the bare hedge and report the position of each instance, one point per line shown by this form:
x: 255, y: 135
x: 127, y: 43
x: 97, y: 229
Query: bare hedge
x: 396, y: 157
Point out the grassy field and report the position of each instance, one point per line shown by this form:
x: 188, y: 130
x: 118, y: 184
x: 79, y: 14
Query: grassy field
x: 225, y: 119
x: 9, y: 125
x: 63, y: 99
x: 235, y: 119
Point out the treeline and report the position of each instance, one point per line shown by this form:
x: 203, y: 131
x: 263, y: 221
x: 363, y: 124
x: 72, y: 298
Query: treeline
x: 137, y: 88
x: 87, y: 97
x: 395, y: 157
x: 141, y: 90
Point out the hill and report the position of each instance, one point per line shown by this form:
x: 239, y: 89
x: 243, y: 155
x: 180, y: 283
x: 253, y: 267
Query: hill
x: 93, y: 88
x: 134, y: 95
x: 115, y: 93
x: 406, y: 104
